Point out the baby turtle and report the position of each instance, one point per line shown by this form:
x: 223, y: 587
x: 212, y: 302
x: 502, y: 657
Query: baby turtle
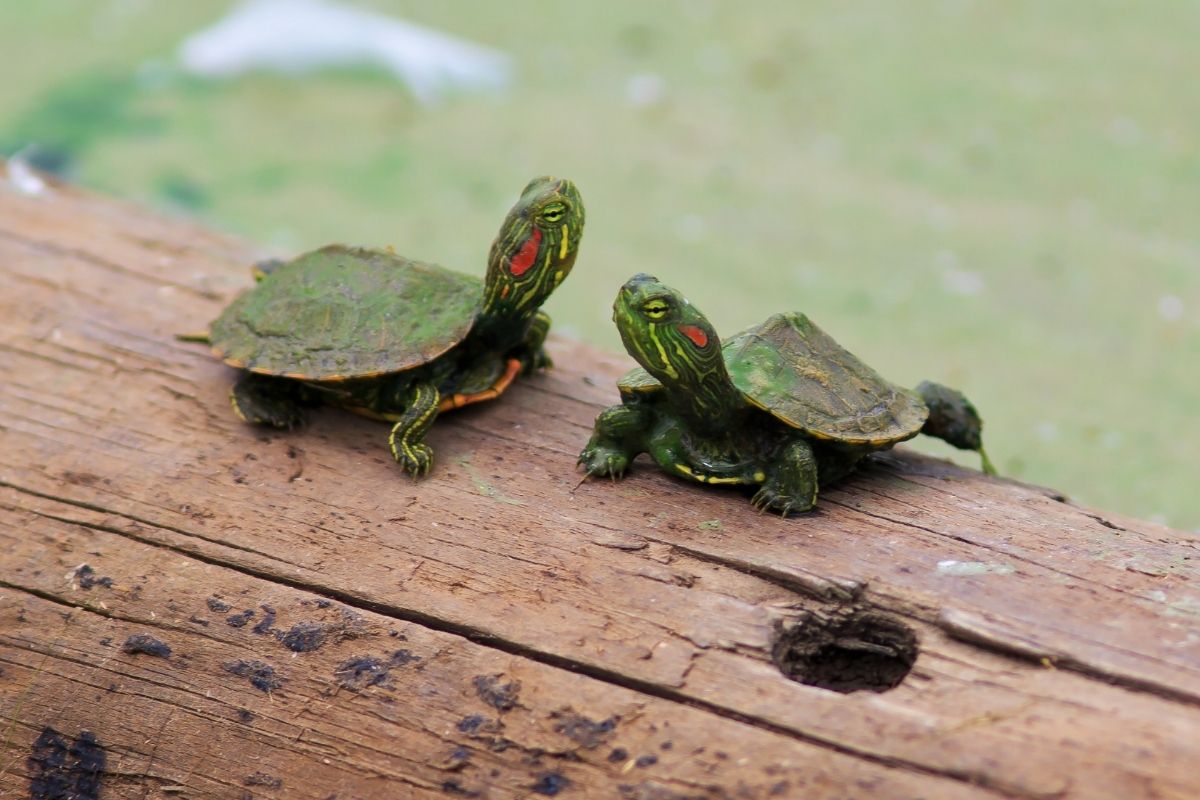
x: 396, y: 339
x: 780, y: 406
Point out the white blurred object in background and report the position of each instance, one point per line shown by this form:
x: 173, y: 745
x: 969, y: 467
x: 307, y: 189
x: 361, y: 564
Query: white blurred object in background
x: 300, y: 36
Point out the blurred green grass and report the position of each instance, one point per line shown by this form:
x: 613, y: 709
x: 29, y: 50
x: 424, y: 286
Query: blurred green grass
x: 1000, y: 196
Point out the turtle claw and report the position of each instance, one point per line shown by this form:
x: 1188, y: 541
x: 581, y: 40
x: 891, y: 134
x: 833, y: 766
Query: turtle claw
x: 416, y: 460
x: 765, y: 500
x: 603, y: 463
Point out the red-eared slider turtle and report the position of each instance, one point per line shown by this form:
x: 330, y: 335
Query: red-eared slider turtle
x: 781, y: 406
x: 396, y: 339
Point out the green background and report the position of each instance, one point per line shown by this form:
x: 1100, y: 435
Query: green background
x: 1003, y: 196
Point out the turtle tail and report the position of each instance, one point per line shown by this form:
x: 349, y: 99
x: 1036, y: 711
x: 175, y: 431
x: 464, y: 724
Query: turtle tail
x: 199, y: 337
x: 954, y: 420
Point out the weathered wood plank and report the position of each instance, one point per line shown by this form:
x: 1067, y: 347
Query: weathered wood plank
x: 649, y: 590
x: 347, y: 701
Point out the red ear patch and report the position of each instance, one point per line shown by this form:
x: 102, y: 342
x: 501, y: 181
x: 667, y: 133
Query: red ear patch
x: 697, y: 335
x: 525, y: 257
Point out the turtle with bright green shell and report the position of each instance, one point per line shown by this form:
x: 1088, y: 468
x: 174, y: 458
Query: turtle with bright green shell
x: 396, y: 339
x: 781, y: 406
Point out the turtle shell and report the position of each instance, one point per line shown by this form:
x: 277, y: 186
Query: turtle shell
x: 792, y: 369
x: 340, y: 312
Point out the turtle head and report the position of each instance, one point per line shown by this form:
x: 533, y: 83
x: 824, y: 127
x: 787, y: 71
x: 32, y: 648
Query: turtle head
x: 675, y: 343
x: 536, y: 247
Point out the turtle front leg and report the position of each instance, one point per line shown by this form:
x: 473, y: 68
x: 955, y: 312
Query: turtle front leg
x: 420, y: 410
x: 535, y: 356
x: 954, y: 420
x: 618, y: 438
x: 267, y: 400
x: 791, y: 482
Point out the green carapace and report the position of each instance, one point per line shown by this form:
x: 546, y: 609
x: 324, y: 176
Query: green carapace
x: 396, y: 339
x: 781, y: 406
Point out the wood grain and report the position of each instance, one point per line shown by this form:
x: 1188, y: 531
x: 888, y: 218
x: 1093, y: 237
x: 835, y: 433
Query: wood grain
x: 1059, y: 647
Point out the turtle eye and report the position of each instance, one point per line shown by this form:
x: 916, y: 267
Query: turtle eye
x: 553, y: 213
x: 656, y: 308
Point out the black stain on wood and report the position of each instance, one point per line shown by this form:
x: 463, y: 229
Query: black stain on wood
x: 262, y: 779
x: 265, y: 624
x: 217, y: 605
x: 85, y: 576
x: 472, y: 724
x: 62, y: 770
x: 304, y: 637
x: 262, y: 676
x: 240, y: 620
x: 502, y: 697
x: 359, y: 673
x: 587, y: 733
x: 142, y: 643
x: 550, y: 784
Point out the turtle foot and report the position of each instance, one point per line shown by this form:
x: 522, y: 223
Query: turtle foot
x: 263, y: 408
x: 768, y: 499
x: 603, y: 462
x: 415, y: 459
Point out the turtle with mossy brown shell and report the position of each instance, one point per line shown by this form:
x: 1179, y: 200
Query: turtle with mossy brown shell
x: 781, y: 406
x: 396, y: 339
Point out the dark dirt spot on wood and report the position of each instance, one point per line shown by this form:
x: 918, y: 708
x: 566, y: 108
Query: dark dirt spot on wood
x: 357, y: 674
x: 304, y: 637
x: 85, y: 576
x: 261, y: 676
x: 142, y: 643
x: 502, y: 697
x: 240, y: 620
x: 550, y: 784
x: 262, y: 779
x: 217, y: 605
x: 453, y: 787
x: 472, y: 723
x: 266, y: 623
x: 62, y: 770
x: 587, y: 733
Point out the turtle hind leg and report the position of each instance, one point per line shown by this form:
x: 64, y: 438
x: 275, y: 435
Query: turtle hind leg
x: 790, y: 483
x: 268, y: 400
x: 420, y: 410
x: 954, y: 420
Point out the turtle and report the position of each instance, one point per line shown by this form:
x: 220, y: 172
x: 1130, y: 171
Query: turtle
x: 780, y: 406
x: 396, y: 339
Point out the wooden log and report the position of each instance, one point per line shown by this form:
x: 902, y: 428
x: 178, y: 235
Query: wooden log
x: 192, y: 607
